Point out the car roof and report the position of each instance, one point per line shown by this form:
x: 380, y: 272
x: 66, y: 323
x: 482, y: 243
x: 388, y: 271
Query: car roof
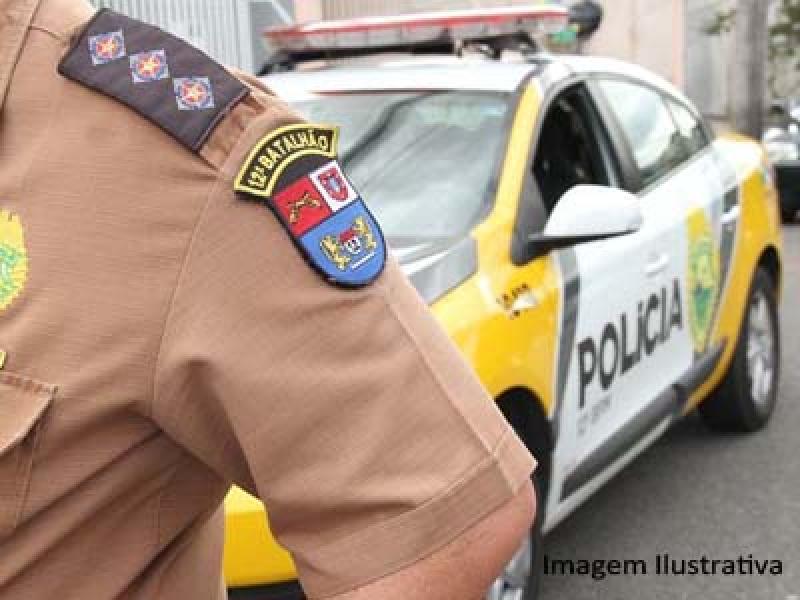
x: 405, y: 73
x: 453, y: 73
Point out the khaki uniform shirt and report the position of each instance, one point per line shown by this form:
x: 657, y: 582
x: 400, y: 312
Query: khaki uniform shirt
x: 165, y: 339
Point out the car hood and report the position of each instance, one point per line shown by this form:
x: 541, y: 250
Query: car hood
x: 436, y: 266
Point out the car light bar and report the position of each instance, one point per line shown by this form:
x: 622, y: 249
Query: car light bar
x: 418, y: 29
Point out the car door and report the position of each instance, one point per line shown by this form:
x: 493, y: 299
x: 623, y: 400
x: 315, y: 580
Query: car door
x: 658, y: 159
x: 613, y: 317
x: 708, y: 193
x: 692, y: 208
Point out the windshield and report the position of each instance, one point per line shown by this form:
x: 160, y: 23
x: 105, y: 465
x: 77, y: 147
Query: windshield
x: 423, y: 161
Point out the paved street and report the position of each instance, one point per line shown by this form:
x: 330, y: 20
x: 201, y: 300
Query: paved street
x: 697, y: 493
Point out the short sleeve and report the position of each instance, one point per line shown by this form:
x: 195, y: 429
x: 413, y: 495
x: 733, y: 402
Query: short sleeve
x: 347, y: 411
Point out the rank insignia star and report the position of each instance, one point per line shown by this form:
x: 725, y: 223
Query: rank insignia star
x: 193, y: 93
x: 106, y: 47
x: 167, y: 81
x: 149, y: 66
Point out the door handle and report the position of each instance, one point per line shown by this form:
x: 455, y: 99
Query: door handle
x: 731, y: 216
x: 657, y: 265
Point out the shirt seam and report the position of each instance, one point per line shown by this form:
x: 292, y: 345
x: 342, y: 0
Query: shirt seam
x: 17, y: 31
x: 57, y: 35
x: 465, y: 479
x: 160, y: 500
x: 469, y: 474
x: 176, y: 289
x: 159, y: 503
x: 65, y: 33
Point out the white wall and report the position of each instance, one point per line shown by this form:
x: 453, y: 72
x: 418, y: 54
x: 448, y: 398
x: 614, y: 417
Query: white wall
x: 708, y: 57
x: 342, y: 9
x: 647, y: 32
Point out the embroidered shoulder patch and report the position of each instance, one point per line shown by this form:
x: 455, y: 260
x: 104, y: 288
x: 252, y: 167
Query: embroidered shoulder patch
x: 295, y: 172
x: 166, y: 80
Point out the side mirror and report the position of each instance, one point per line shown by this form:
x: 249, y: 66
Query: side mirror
x: 589, y: 213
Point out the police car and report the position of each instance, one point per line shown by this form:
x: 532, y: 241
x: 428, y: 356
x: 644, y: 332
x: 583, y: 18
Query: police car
x: 605, y: 262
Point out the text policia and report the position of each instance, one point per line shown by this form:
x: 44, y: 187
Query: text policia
x: 621, y: 345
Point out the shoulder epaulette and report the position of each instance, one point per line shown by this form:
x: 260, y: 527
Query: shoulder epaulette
x: 165, y: 79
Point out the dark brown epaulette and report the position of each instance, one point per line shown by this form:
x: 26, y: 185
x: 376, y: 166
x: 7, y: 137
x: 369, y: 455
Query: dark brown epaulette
x: 163, y: 78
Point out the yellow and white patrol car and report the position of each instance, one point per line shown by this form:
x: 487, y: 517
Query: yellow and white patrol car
x: 604, y: 261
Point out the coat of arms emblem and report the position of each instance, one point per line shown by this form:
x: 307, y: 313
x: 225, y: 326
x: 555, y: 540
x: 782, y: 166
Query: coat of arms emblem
x: 13, y: 259
x: 703, y: 278
x: 294, y: 169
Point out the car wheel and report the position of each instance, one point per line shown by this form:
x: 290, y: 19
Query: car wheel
x: 746, y: 397
x: 787, y: 215
x: 522, y: 576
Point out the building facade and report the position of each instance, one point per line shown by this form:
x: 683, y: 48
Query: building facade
x: 227, y: 30
x: 668, y: 37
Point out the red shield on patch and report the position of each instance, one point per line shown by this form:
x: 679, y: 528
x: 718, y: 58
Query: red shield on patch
x: 334, y: 186
x: 301, y: 205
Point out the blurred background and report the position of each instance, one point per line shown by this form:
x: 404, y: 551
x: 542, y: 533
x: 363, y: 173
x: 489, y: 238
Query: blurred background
x: 717, y: 51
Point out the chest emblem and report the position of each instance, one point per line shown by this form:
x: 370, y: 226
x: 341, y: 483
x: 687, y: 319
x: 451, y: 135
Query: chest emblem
x: 13, y: 258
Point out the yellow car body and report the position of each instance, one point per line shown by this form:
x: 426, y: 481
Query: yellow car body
x: 515, y: 350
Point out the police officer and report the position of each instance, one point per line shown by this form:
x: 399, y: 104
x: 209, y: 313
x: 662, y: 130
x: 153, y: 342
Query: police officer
x: 193, y: 294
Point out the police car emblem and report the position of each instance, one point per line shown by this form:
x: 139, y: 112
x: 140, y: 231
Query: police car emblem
x: 294, y: 170
x: 106, y: 47
x: 13, y: 259
x: 703, y: 278
x: 193, y: 93
x: 149, y: 66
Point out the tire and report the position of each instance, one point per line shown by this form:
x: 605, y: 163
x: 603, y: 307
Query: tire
x: 745, y: 400
x: 522, y: 577
x: 787, y: 215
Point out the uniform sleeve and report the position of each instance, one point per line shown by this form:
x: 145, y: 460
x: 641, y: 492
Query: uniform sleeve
x: 348, y: 412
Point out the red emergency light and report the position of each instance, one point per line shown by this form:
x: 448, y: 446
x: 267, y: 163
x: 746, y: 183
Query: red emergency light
x: 421, y: 28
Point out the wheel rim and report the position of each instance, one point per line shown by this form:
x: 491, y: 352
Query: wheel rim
x: 513, y: 583
x: 761, y: 352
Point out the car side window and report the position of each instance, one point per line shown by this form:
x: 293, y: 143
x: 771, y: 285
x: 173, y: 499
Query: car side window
x: 572, y: 148
x: 654, y: 139
x: 691, y: 129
